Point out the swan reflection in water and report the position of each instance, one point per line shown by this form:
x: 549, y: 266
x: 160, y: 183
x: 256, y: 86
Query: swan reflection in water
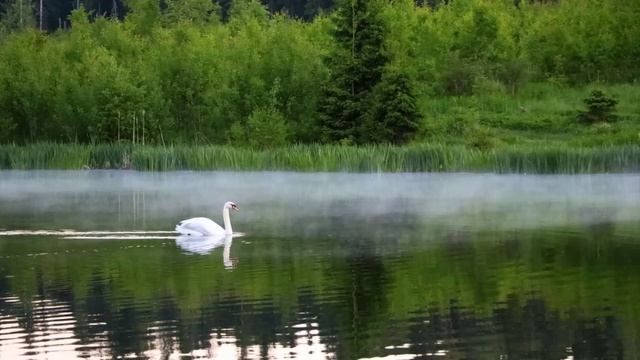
x: 203, y: 245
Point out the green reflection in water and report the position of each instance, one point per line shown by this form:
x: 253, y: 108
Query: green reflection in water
x: 528, y: 294
x: 465, y: 265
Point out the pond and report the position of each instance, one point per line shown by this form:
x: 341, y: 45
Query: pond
x: 322, y: 265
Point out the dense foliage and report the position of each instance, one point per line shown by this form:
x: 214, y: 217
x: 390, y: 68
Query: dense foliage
x: 200, y: 72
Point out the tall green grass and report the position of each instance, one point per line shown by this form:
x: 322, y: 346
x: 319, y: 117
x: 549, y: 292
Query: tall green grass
x: 414, y: 158
x: 539, y: 113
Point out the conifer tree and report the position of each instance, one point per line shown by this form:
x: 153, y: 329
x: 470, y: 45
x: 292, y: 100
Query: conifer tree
x: 394, y: 114
x: 357, y: 65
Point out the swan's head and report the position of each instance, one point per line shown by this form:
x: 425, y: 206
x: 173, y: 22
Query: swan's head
x: 231, y: 205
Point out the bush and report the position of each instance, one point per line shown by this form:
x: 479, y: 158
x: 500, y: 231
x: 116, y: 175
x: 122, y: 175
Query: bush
x: 484, y: 86
x: 482, y: 138
x: 513, y: 75
x: 458, y: 78
x: 267, y: 128
x: 601, y: 108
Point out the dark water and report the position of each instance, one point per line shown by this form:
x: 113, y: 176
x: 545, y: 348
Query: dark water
x: 394, y: 266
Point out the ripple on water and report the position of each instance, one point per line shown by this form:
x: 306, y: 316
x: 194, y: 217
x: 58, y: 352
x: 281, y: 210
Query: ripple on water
x: 49, y: 330
x: 403, y: 269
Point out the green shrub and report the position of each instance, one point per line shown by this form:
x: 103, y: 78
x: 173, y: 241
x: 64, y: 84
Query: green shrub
x: 448, y: 127
x: 237, y: 134
x: 482, y: 138
x: 267, y: 128
x: 600, y: 108
x: 483, y: 86
x: 458, y: 78
x: 513, y: 74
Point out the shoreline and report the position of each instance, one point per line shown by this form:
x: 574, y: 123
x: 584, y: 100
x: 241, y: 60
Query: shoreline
x: 546, y: 159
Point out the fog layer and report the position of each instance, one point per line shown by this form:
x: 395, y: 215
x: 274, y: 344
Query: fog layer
x: 272, y: 201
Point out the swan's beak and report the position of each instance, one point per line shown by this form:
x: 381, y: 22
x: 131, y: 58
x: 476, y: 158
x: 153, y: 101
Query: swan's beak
x: 236, y: 208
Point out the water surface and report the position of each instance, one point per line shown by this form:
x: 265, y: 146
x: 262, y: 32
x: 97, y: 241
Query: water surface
x: 328, y: 265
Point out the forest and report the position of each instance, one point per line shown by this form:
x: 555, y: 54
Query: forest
x: 475, y: 73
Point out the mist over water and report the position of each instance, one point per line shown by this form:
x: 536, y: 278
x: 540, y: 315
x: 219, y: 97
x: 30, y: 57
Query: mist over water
x: 93, y: 200
x: 327, y: 265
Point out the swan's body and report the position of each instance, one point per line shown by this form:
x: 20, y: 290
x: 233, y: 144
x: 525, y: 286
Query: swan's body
x: 201, y: 226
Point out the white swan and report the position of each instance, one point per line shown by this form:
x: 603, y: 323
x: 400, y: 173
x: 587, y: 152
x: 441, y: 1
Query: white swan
x: 200, y: 226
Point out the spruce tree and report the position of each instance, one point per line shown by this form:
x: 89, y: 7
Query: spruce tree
x: 394, y: 113
x: 356, y: 67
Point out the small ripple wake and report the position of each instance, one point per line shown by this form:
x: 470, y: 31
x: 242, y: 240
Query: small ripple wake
x: 95, y: 234
x: 120, y: 237
x: 67, y: 232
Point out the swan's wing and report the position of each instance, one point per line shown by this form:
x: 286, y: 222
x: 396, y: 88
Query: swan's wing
x: 199, y: 227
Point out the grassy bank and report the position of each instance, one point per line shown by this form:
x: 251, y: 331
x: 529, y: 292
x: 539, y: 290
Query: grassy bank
x: 415, y: 158
x: 539, y: 114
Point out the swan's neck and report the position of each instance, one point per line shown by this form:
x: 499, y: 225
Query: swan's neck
x: 227, y: 222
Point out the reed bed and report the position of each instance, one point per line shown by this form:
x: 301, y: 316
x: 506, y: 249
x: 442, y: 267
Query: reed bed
x: 379, y: 158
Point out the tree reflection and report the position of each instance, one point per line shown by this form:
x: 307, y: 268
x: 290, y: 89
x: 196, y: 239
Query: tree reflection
x: 540, y: 294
